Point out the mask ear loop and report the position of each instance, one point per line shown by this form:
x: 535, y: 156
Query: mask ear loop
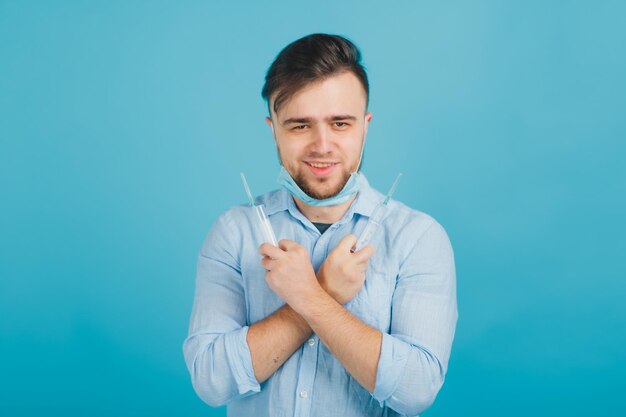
x: 280, y: 161
x: 361, y: 157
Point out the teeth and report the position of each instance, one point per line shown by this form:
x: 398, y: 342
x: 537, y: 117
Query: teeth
x: 320, y: 165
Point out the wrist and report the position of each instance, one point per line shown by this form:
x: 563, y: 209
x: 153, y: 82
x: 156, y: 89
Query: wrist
x: 315, y: 304
x: 321, y: 279
x: 291, y: 315
x: 307, y: 296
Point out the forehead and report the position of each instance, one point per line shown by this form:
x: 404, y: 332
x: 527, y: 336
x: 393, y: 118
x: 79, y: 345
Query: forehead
x: 339, y: 94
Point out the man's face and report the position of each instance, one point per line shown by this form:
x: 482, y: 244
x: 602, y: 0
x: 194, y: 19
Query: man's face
x: 319, y: 133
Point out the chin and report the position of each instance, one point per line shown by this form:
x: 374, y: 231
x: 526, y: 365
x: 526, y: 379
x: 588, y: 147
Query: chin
x: 323, y: 190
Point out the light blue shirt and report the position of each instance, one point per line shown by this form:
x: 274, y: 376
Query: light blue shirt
x: 409, y: 295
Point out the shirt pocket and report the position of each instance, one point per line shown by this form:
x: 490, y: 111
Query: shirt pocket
x: 372, y: 304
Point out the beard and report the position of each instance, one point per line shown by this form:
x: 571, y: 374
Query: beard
x: 307, y: 187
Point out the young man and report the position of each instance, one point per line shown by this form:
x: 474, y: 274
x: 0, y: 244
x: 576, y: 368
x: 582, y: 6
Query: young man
x: 311, y: 328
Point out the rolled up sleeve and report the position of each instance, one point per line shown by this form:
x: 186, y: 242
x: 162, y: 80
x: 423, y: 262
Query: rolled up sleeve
x: 216, y: 351
x: 414, y: 355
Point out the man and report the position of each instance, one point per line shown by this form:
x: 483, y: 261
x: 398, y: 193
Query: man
x: 311, y: 328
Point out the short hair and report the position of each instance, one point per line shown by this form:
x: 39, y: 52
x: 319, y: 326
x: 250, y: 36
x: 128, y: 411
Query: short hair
x: 312, y: 58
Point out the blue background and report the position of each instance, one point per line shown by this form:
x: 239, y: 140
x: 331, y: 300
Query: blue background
x: 124, y: 126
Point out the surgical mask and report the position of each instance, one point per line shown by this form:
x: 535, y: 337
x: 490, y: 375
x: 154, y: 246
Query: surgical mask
x: 351, y: 188
x: 353, y: 185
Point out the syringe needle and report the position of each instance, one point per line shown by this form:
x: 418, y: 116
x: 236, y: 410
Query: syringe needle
x: 375, y: 219
x: 393, y: 188
x: 248, y: 192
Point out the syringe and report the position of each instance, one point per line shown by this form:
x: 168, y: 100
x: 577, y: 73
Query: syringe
x: 264, y: 221
x: 373, y: 224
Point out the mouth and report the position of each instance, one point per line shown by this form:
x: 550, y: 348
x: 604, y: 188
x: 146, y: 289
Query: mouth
x: 321, y: 169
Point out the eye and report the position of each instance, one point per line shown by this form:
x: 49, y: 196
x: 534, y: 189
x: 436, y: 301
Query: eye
x: 299, y: 127
x: 340, y: 124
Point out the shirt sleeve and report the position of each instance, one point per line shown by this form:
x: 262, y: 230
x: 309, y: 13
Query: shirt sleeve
x: 414, y: 356
x: 216, y: 351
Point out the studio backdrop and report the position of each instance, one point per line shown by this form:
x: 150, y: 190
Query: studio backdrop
x: 124, y: 126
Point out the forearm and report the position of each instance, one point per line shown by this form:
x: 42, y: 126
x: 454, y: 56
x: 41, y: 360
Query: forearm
x: 274, y: 339
x: 339, y: 329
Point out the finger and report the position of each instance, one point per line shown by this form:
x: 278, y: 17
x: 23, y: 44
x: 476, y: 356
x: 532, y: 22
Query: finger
x: 270, y: 250
x: 362, y: 266
x: 268, y: 263
x: 364, y: 253
x: 346, y: 243
x: 287, y: 245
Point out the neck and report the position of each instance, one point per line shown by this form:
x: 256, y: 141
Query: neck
x: 319, y: 214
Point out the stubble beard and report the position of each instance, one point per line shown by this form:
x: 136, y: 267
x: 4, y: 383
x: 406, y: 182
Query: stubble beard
x: 309, y: 189
x: 305, y: 186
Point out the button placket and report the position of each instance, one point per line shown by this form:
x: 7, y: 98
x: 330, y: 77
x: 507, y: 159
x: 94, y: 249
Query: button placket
x: 309, y: 350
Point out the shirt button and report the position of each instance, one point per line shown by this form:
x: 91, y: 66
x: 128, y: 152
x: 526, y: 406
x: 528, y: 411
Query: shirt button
x: 311, y: 342
x: 304, y: 393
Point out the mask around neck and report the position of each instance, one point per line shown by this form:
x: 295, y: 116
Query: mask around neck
x: 351, y: 188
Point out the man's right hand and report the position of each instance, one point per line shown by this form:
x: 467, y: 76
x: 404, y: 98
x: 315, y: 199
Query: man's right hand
x: 342, y: 274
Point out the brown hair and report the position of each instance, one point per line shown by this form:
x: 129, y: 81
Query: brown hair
x: 309, y: 59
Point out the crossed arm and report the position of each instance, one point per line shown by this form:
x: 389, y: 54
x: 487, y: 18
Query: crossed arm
x: 310, y: 307
x: 274, y: 339
x: 403, y: 369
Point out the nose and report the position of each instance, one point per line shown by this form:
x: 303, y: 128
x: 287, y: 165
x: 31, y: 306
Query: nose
x: 321, y: 140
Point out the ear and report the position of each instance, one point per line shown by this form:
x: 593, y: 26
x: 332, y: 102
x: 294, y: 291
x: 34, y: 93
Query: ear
x: 368, y: 119
x: 268, y: 120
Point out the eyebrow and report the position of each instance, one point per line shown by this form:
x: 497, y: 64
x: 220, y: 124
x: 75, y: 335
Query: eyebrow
x: 299, y: 120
